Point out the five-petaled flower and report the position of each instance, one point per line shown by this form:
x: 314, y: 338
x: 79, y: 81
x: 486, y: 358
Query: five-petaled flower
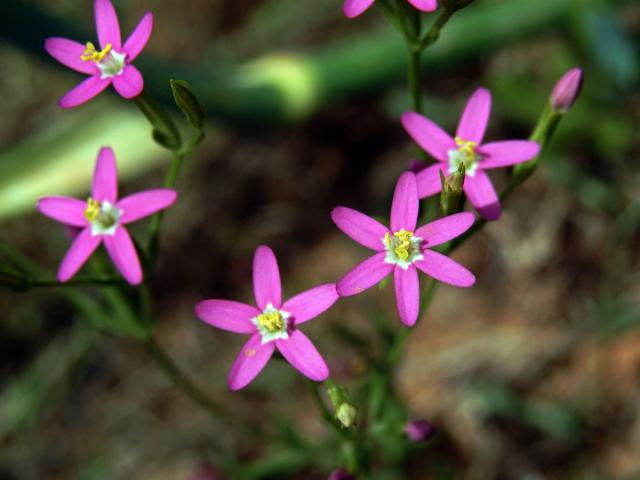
x: 403, y: 249
x: 353, y: 8
x: 102, y: 219
x: 271, y: 324
x: 111, y: 63
x: 467, y: 149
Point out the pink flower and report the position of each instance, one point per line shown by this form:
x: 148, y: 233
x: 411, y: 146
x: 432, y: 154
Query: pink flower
x: 111, y: 64
x: 467, y: 148
x: 271, y: 324
x: 402, y: 249
x: 353, y: 8
x: 102, y: 219
x: 567, y: 89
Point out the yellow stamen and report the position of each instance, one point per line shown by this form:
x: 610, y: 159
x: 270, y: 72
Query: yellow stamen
x: 467, y: 148
x: 93, y: 209
x: 92, y: 55
x: 271, y: 321
x: 403, y: 237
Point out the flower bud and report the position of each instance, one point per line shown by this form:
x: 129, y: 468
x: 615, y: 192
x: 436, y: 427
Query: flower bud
x: 419, y: 430
x: 341, y: 474
x: 451, y: 194
x: 188, y: 103
x: 346, y: 412
x: 567, y: 90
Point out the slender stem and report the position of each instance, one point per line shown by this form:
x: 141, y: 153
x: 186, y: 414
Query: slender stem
x: 199, y: 397
x: 413, y: 75
x: 75, y: 282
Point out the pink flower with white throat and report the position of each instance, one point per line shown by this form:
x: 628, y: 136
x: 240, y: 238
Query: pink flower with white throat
x: 468, y: 149
x: 403, y: 249
x: 106, y: 65
x: 102, y: 219
x: 353, y: 8
x: 271, y: 323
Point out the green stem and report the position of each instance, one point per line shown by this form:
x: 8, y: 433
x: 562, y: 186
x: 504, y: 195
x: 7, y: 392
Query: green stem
x: 74, y: 282
x: 165, y: 131
x: 184, y: 383
x: 413, y: 74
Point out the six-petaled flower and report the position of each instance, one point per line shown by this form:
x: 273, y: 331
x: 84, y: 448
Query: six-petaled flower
x: 402, y: 249
x: 271, y: 323
x: 108, y: 63
x: 102, y: 218
x: 467, y: 149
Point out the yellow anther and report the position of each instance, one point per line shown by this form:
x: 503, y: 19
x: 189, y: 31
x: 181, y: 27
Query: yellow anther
x: 271, y: 321
x: 467, y: 148
x: 93, y: 209
x: 92, y: 55
x: 402, y: 240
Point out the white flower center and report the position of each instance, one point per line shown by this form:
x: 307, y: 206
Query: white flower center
x: 466, y: 155
x: 272, y: 324
x: 103, y: 217
x: 110, y: 62
x: 403, y: 248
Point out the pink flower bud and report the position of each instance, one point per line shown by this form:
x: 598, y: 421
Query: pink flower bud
x: 567, y: 90
x: 419, y: 430
x: 341, y: 474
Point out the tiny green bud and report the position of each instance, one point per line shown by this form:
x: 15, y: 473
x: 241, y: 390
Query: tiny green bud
x: 187, y: 102
x: 346, y: 412
x: 451, y: 194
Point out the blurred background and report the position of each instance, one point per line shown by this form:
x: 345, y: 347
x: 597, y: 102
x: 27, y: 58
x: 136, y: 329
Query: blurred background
x: 532, y: 374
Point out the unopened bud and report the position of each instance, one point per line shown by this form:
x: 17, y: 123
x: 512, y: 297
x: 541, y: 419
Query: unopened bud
x: 567, y: 90
x: 188, y: 103
x: 346, y: 411
x: 451, y: 194
x: 419, y: 430
x: 341, y: 474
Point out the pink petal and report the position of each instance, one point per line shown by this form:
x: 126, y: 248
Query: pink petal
x: 407, y: 294
x: 364, y: 276
x: 509, y: 152
x: 69, y: 211
x: 442, y: 268
x: 227, y: 315
x: 249, y: 362
x: 445, y: 229
x: 129, y: 83
x: 424, y: 5
x: 123, y: 255
x: 143, y: 204
x: 308, y: 305
x: 139, y: 38
x: 404, y: 208
x: 84, y: 91
x: 360, y: 227
x: 428, y: 180
x: 475, y: 117
x: 353, y: 8
x: 480, y: 192
x: 107, y: 25
x: 105, y: 177
x: 302, y: 355
x: 435, y: 141
x: 81, y: 249
x: 266, y: 278
x: 68, y: 53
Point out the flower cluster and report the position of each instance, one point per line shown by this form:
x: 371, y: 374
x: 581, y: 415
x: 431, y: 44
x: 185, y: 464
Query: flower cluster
x: 402, y: 248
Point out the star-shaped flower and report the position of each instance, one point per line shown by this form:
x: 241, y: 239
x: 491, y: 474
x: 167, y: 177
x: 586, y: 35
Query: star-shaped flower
x: 271, y: 323
x: 111, y: 63
x: 467, y: 149
x: 403, y: 249
x: 102, y: 218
